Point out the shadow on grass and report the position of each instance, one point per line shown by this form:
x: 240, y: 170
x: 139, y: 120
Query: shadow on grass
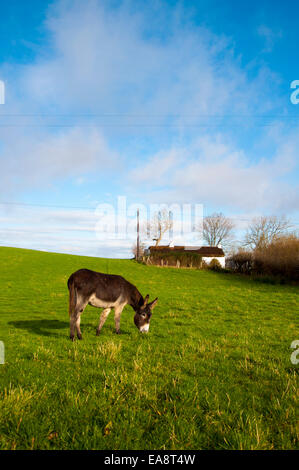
x: 111, y: 328
x: 40, y: 327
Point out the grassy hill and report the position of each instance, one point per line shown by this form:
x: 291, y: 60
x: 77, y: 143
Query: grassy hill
x: 214, y: 371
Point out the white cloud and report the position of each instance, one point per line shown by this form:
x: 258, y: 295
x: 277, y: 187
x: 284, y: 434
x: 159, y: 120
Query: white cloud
x: 59, y: 230
x: 40, y: 158
x: 217, y: 174
x: 103, y: 60
x: 99, y: 60
x: 270, y: 37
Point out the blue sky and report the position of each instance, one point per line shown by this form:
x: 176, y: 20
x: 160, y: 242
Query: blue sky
x: 160, y: 102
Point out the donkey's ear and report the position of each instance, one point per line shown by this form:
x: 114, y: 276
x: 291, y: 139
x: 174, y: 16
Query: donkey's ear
x: 146, y: 299
x: 153, y: 303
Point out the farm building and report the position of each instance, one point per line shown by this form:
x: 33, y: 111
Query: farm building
x: 206, y: 252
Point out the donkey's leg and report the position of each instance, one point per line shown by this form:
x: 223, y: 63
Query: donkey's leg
x: 80, y: 309
x: 75, y: 325
x: 76, y: 317
x: 103, y: 318
x: 117, y: 314
x: 79, y: 334
x: 72, y: 326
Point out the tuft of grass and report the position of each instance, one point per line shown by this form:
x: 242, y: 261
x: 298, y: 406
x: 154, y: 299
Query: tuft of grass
x: 214, y: 372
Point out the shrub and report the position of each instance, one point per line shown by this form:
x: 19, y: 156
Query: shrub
x: 214, y: 265
x: 241, y: 262
x: 280, y: 258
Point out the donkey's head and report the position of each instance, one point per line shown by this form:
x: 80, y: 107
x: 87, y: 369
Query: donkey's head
x: 143, y: 314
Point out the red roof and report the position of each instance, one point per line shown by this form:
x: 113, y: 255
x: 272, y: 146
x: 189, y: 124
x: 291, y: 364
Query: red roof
x: 208, y: 251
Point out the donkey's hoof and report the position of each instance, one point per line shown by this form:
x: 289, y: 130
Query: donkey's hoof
x: 72, y: 338
x: 118, y: 332
x: 98, y: 333
x: 79, y: 336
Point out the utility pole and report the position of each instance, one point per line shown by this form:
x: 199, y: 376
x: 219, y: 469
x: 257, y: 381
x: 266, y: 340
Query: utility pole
x: 138, y: 239
x: 170, y: 227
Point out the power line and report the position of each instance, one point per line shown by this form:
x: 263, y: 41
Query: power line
x: 263, y: 116
x: 164, y: 126
x: 45, y: 205
x: 25, y: 204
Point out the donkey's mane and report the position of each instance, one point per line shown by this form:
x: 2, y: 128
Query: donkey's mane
x: 136, y: 298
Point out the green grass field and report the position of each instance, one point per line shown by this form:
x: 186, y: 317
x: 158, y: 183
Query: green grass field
x: 214, y: 372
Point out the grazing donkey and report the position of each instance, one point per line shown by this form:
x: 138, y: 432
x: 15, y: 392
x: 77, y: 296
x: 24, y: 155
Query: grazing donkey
x: 106, y: 291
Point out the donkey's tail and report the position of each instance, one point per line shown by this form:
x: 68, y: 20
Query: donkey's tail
x: 72, y: 298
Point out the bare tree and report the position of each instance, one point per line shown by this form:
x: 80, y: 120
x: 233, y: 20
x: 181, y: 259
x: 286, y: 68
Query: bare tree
x: 141, y: 249
x: 264, y: 230
x: 159, y: 225
x: 217, y: 229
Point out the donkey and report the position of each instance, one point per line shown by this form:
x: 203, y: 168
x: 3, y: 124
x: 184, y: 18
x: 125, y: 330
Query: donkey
x: 106, y: 291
